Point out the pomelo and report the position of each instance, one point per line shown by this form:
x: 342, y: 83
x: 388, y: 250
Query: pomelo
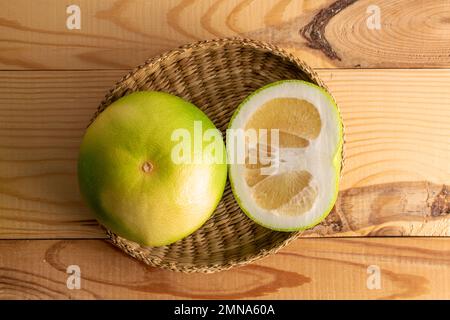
x: 293, y: 184
x: 128, y: 176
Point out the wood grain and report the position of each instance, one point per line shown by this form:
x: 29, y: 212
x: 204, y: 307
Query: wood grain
x: 122, y: 33
x: 307, y: 269
x: 395, y: 179
x: 42, y: 118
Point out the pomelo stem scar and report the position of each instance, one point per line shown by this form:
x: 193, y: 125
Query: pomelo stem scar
x: 147, y: 167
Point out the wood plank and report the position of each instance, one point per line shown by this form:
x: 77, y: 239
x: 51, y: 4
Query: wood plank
x: 326, y: 33
x: 42, y: 119
x: 306, y: 269
x: 394, y: 135
x: 395, y: 178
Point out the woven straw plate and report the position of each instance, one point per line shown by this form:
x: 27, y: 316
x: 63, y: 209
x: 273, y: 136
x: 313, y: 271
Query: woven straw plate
x: 216, y: 76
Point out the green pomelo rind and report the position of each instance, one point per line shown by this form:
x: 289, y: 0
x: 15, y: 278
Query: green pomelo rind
x: 138, y: 128
x: 337, y: 158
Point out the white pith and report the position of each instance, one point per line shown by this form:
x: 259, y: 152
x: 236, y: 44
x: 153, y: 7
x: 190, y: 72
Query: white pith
x: 317, y: 158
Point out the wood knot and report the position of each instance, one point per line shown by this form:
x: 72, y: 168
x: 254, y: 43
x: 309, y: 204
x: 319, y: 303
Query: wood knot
x: 441, y: 203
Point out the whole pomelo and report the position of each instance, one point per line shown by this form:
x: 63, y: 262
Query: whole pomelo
x: 128, y: 176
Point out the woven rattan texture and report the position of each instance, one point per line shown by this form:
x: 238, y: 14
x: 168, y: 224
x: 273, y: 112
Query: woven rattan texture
x: 216, y: 76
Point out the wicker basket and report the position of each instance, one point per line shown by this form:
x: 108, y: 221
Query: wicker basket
x: 216, y: 76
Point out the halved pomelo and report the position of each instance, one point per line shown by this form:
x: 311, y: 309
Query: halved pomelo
x: 289, y: 179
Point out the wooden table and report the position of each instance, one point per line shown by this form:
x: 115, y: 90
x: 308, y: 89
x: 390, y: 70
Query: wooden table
x: 387, y: 64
